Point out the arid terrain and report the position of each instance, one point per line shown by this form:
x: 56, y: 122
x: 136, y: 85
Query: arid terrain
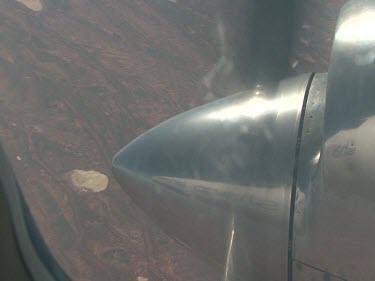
x: 79, y: 79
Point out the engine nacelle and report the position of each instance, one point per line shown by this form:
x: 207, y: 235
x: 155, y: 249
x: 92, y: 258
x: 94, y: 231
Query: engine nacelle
x: 278, y: 182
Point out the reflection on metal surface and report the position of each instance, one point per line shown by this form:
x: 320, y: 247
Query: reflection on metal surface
x: 338, y: 235
x: 310, y: 155
x: 229, y: 261
x: 273, y: 188
x: 255, y: 107
x: 358, y: 28
x: 142, y: 64
x: 258, y: 202
x: 221, y: 187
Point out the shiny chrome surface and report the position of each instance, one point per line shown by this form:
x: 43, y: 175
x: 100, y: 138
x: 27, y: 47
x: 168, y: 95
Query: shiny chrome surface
x: 227, y: 178
x: 309, y: 155
x: 219, y: 178
x: 340, y: 189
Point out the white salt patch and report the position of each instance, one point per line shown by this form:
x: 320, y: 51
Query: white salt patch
x: 88, y: 181
x: 35, y: 5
